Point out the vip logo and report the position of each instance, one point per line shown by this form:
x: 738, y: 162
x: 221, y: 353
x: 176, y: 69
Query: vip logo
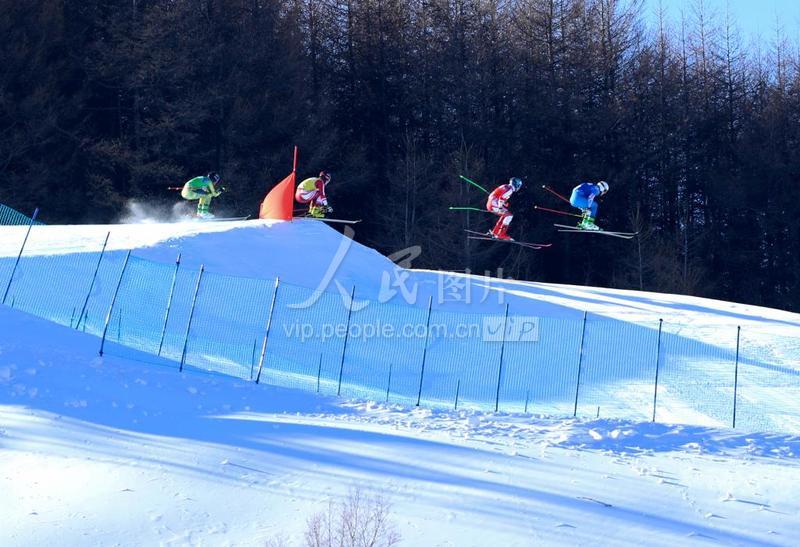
x: 518, y: 328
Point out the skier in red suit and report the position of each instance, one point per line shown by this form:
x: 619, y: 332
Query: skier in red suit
x: 498, y: 204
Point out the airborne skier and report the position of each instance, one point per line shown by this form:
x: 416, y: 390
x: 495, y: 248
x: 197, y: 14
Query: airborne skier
x: 583, y: 197
x: 202, y: 189
x: 497, y: 203
x: 312, y: 192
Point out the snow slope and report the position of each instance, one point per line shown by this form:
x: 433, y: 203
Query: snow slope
x: 100, y: 451
x: 698, y: 342
x: 302, y: 252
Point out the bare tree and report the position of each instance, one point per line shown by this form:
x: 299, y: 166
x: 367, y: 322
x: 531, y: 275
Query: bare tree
x: 358, y: 521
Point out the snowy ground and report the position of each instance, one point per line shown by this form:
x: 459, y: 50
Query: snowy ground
x: 99, y: 451
x: 697, y: 349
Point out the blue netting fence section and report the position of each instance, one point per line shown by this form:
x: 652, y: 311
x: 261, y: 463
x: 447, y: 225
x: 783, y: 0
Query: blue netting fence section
x: 12, y: 217
x: 768, y: 375
x: 697, y: 374
x: 540, y: 366
x: 324, y: 341
x: 618, y: 369
x: 301, y: 349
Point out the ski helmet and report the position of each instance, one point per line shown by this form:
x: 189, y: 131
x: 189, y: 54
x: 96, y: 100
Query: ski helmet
x: 213, y: 176
x: 603, y: 185
x: 516, y: 183
x: 325, y: 176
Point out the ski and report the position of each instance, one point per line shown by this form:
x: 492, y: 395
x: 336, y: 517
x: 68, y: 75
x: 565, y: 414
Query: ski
x: 482, y: 236
x: 218, y: 219
x: 533, y: 246
x: 603, y: 232
x: 575, y: 229
x: 334, y: 220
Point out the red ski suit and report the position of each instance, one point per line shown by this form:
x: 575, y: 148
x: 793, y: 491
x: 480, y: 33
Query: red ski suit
x: 497, y: 203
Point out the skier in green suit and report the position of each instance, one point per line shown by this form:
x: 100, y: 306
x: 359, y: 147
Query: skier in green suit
x: 202, y: 189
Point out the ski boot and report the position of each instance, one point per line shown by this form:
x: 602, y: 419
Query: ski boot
x: 587, y: 223
x: 500, y: 233
x: 203, y: 213
x: 316, y: 211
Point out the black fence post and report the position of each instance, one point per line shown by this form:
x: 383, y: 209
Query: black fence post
x: 346, y: 337
x: 580, y: 364
x: 658, y: 359
x: 19, y: 256
x: 113, y: 301
x: 319, y: 371
x: 500, y: 369
x: 253, y: 357
x: 389, y: 382
x: 736, y: 374
x: 94, y: 278
x: 191, y: 316
x: 527, y: 397
x: 269, y: 325
x: 425, y: 348
x: 458, y: 388
x: 169, y: 304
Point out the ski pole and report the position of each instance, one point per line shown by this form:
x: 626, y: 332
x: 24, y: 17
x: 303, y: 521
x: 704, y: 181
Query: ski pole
x: 468, y: 209
x: 472, y: 182
x: 559, y: 196
x: 174, y: 187
x: 558, y: 212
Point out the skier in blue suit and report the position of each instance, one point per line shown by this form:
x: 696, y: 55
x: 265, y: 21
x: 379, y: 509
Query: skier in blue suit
x: 583, y: 197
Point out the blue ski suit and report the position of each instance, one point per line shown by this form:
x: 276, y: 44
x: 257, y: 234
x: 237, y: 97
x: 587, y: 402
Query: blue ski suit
x: 583, y: 197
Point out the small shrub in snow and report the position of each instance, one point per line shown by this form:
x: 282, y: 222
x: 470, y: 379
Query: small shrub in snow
x: 358, y: 521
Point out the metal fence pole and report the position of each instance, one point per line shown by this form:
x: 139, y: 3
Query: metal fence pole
x: 527, y: 397
x: 169, y: 304
x: 502, y: 352
x: 319, y: 371
x: 580, y: 364
x: 113, y: 301
x: 191, y: 316
x: 94, y: 278
x: 736, y: 374
x: 253, y: 357
x: 389, y: 382
x: 658, y: 359
x: 346, y: 337
x: 425, y: 348
x: 269, y: 326
x: 19, y: 256
x: 458, y: 388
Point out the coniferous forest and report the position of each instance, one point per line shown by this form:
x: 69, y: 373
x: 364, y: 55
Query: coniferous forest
x: 693, y: 124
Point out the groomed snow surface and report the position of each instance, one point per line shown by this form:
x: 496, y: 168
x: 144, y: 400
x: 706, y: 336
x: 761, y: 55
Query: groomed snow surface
x: 106, y: 450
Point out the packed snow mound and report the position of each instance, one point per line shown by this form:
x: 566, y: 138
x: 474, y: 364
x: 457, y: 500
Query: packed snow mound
x: 312, y: 254
x: 299, y: 252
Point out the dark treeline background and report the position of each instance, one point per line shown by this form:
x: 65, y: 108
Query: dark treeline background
x: 695, y: 128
